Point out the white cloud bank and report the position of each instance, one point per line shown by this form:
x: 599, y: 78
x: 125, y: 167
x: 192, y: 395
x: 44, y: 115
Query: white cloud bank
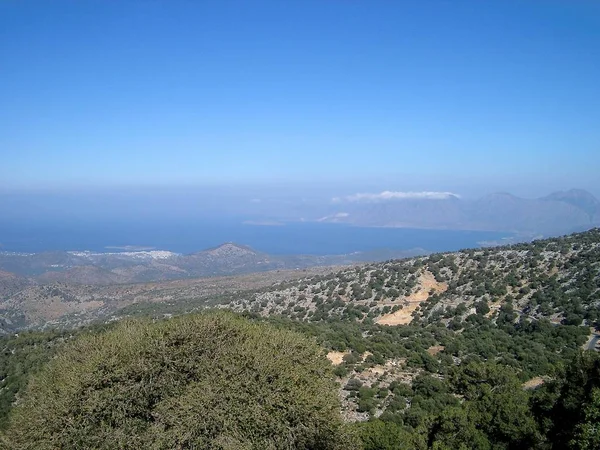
x: 396, y: 195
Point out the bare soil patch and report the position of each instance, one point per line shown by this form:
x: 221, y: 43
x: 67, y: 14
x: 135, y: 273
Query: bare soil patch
x: 336, y: 358
x: 533, y: 383
x: 435, y: 349
x: 427, y: 283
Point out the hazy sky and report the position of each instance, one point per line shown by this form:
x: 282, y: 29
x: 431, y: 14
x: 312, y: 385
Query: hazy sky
x: 109, y: 93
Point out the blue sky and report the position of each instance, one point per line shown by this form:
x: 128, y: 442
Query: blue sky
x: 390, y: 94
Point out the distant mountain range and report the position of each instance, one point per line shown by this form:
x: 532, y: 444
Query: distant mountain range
x: 17, y: 269
x: 559, y: 212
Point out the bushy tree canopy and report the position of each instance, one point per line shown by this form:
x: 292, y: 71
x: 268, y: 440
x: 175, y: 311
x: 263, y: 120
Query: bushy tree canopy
x: 201, y: 381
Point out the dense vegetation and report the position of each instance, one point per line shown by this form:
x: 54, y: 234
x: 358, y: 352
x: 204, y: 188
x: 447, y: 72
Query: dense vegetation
x: 476, y: 392
x: 484, y: 406
x: 475, y: 403
x: 492, y: 357
x: 198, y: 381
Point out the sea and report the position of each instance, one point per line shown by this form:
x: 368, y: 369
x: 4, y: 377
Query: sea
x: 192, y: 236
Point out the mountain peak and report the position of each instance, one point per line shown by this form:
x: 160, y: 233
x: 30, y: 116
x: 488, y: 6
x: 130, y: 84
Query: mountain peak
x: 579, y: 198
x: 580, y: 194
x: 229, y: 249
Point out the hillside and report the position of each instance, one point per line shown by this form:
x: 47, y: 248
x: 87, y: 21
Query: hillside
x: 478, y: 348
x: 527, y: 306
x: 556, y: 279
x: 25, y: 304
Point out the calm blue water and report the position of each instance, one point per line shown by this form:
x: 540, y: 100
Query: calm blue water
x: 187, y: 237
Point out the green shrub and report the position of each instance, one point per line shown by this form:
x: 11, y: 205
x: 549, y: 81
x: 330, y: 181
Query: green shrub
x: 213, y: 381
x: 378, y: 435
